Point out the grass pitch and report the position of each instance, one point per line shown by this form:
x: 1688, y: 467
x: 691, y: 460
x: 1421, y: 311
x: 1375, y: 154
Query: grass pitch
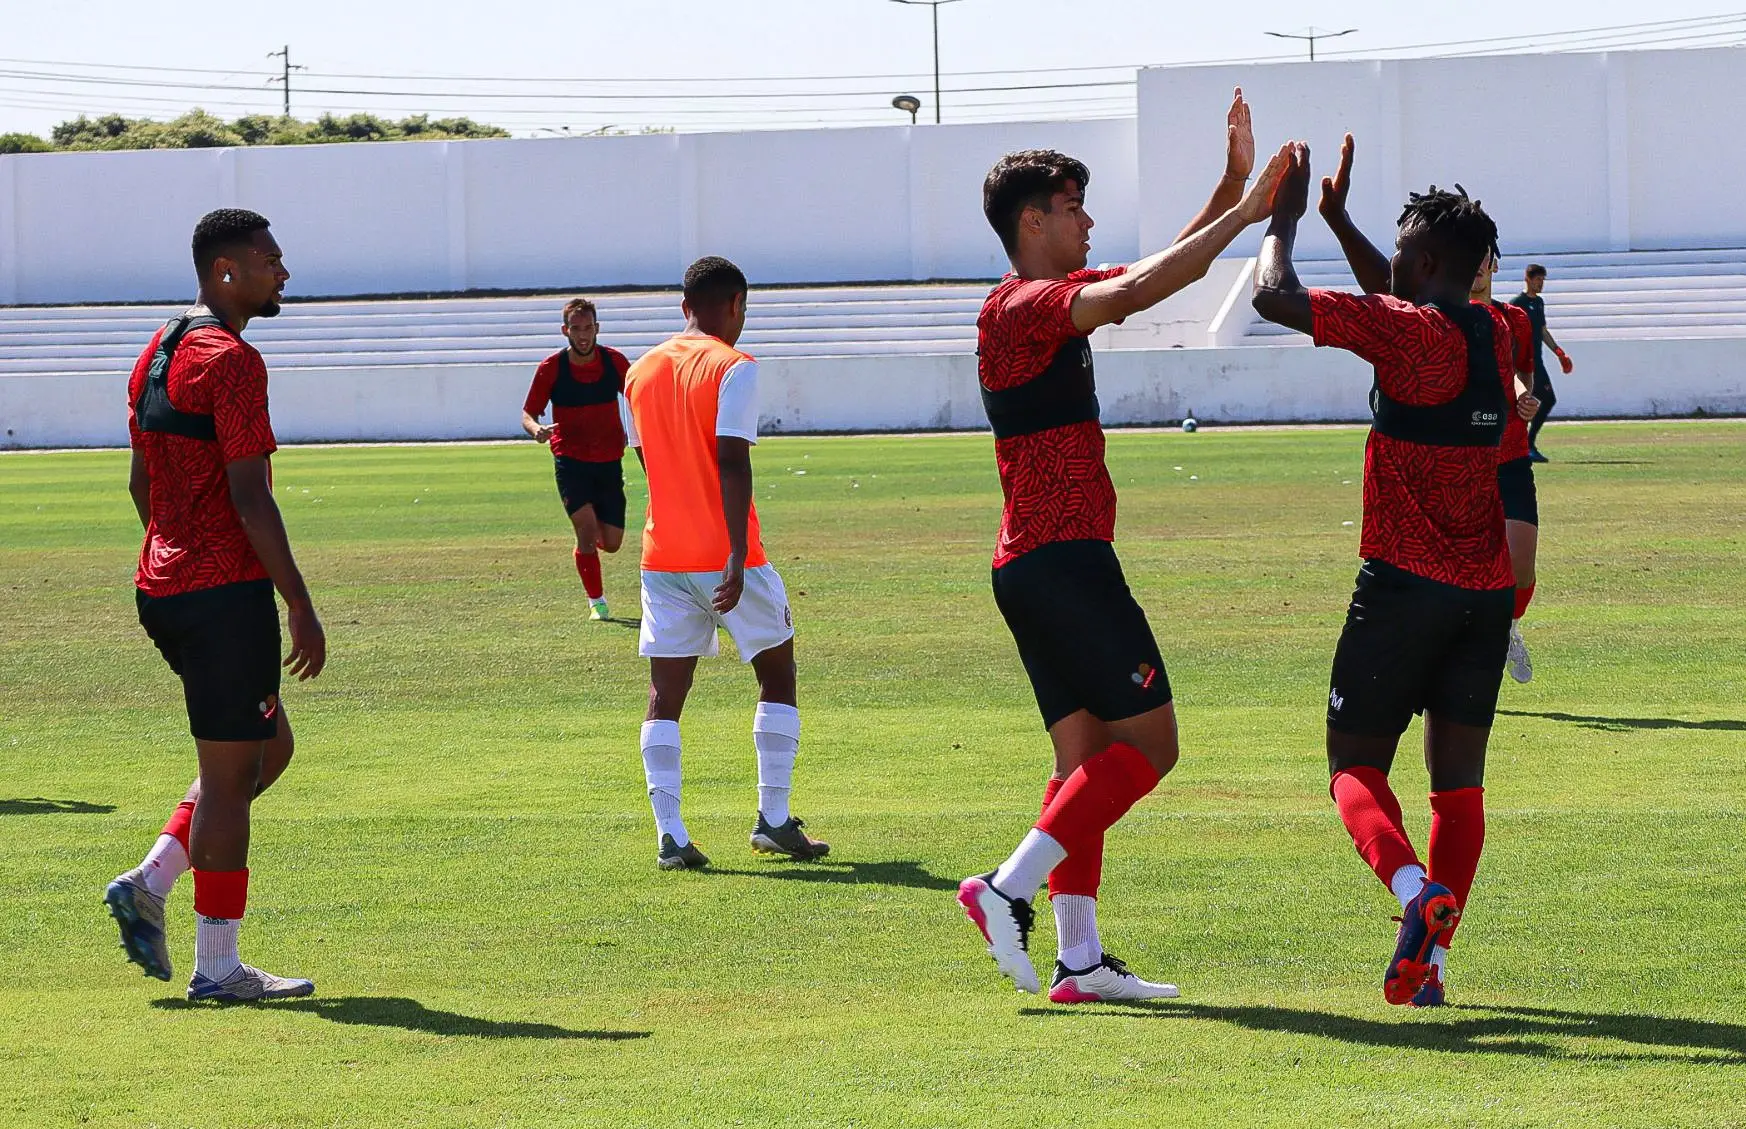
x: 462, y: 856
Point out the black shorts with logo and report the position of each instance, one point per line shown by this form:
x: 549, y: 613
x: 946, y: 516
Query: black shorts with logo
x: 224, y: 644
x: 1515, y: 481
x: 1411, y: 645
x: 600, y: 485
x: 1083, y: 639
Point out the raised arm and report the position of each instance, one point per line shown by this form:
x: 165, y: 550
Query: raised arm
x: 1369, y: 266
x: 252, y: 494
x: 1279, y: 296
x: 1239, y: 163
x: 1155, y: 278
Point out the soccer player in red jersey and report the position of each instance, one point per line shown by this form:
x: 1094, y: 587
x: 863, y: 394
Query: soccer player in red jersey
x: 1092, y: 660
x: 581, y: 383
x: 215, y: 549
x: 1428, y: 625
x: 1515, y: 467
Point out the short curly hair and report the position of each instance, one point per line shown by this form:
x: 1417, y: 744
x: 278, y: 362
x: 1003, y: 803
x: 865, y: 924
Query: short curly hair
x: 579, y: 305
x: 1455, y: 222
x: 221, y: 231
x: 1026, y: 179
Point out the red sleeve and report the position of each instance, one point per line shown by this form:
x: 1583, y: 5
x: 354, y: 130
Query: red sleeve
x: 1410, y: 346
x: 238, y: 379
x: 1033, y: 320
x: 539, y: 394
x: 1522, y: 332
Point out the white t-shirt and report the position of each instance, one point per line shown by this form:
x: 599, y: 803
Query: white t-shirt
x: 736, y: 406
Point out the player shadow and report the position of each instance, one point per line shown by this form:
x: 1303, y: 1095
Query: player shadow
x: 410, y: 1015
x: 907, y: 874
x: 1478, y: 1030
x: 1620, y: 724
x: 1604, y: 462
x: 39, y: 805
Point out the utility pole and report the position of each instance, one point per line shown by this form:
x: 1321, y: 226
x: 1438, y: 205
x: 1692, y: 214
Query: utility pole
x: 1312, y: 35
x: 285, y: 78
x: 935, y: 5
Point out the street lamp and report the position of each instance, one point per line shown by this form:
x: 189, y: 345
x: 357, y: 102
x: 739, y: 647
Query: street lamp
x: 935, y: 5
x: 1312, y: 35
x: 908, y: 103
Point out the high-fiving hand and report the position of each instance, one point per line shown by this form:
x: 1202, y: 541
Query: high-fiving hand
x: 1258, y: 202
x: 1239, y: 139
x: 1336, y: 188
x: 1292, y: 198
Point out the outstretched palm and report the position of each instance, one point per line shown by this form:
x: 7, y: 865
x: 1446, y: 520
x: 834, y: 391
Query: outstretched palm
x: 1337, y: 188
x: 1239, y: 139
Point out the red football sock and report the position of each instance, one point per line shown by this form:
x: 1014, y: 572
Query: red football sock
x: 1372, y: 816
x: 221, y: 893
x: 1079, y: 873
x: 588, y: 568
x: 1523, y: 597
x: 1099, y: 792
x: 1457, y: 837
x: 180, y: 821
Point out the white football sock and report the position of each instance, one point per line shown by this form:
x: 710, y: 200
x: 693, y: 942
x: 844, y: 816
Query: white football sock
x: 1029, y: 866
x: 163, y: 864
x: 776, y: 736
x: 215, y: 946
x: 1406, y: 883
x: 1439, y: 955
x: 661, y: 770
x: 1076, y: 931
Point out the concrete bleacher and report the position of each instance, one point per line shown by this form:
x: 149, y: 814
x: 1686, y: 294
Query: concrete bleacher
x: 797, y: 322
x: 1591, y: 296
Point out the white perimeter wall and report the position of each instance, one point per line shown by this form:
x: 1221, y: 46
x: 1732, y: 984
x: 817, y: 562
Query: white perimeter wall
x: 1571, y: 152
x: 789, y: 206
x: 1229, y: 385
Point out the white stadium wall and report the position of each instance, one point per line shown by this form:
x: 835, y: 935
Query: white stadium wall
x: 894, y: 393
x: 1570, y: 152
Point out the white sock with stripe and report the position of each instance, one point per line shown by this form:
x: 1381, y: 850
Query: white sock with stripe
x: 661, y: 771
x: 776, y: 736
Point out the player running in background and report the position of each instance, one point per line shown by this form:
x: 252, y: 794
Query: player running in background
x: 1515, y: 470
x: 691, y: 412
x: 215, y: 549
x: 1428, y: 625
x: 1533, y: 282
x: 582, y: 383
x: 1515, y: 473
x: 1092, y: 660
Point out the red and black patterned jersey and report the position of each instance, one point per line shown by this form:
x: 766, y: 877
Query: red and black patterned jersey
x: 1431, y: 510
x: 1515, y: 440
x: 591, y: 433
x: 1055, y: 483
x: 194, y: 538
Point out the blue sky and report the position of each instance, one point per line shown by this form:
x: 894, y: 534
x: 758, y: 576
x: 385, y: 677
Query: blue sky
x: 701, y: 64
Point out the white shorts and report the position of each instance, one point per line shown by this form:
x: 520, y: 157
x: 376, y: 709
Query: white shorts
x: 680, y: 621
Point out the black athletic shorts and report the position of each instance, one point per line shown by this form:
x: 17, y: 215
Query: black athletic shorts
x: 1412, y: 644
x: 1515, y: 481
x: 600, y: 485
x: 1083, y: 639
x: 224, y: 644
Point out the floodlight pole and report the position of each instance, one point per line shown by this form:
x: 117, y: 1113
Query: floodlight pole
x: 935, y: 5
x: 1311, y: 35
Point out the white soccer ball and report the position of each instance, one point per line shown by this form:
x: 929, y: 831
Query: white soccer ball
x: 1189, y: 424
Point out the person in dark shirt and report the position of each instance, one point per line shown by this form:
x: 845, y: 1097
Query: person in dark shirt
x: 1092, y: 660
x: 1428, y: 625
x: 215, y: 550
x: 582, y: 383
x: 1533, y: 282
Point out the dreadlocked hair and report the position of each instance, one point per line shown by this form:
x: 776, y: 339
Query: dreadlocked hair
x: 1456, y: 222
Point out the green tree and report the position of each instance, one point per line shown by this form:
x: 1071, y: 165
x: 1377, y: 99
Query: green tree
x: 23, y: 143
x: 198, y: 129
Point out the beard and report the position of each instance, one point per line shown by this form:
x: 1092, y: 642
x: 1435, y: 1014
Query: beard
x: 269, y: 309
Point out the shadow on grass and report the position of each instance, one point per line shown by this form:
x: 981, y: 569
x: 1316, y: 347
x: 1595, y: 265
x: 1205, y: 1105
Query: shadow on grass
x: 1478, y: 1030
x: 38, y: 805
x: 1604, y: 462
x: 1621, y: 724
x: 410, y: 1015
x: 624, y: 621
x: 908, y: 874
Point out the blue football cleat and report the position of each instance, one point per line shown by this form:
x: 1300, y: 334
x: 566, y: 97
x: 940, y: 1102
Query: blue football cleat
x: 1431, y: 995
x: 1430, y: 912
x: 140, y: 915
x: 246, y: 984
